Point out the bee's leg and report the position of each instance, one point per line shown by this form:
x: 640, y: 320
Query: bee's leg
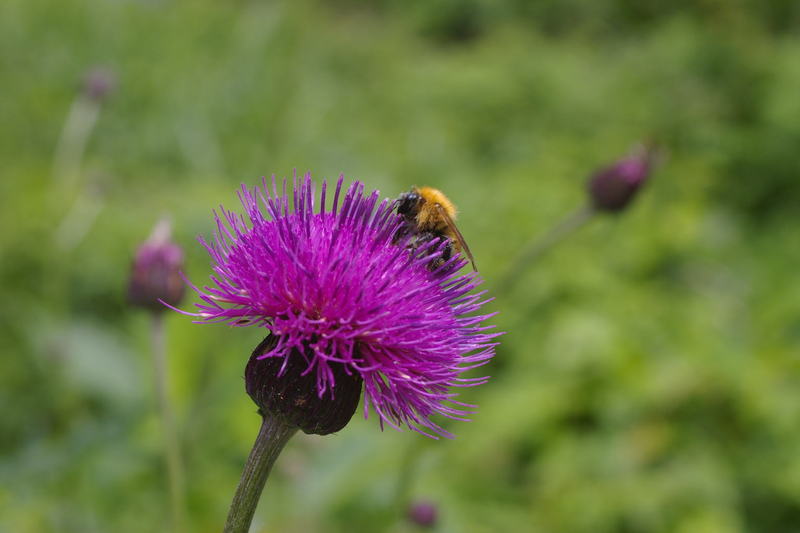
x: 402, y: 232
x: 447, y: 250
x: 447, y: 253
x: 434, y: 243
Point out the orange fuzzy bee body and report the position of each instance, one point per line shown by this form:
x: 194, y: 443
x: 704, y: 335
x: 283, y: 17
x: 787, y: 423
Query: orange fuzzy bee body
x: 429, y: 214
x: 428, y: 217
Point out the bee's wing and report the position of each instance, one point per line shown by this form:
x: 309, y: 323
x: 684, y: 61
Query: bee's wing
x: 452, y: 225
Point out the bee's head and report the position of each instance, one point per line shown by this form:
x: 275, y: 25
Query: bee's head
x: 408, y: 203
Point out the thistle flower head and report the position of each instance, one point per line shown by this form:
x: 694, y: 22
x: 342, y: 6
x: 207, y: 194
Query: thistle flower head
x: 345, y: 299
x: 155, y: 272
x: 614, y: 187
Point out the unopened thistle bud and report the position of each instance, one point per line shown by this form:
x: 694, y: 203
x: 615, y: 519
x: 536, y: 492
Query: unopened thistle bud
x: 98, y: 84
x: 611, y: 189
x: 155, y: 273
x: 283, y: 387
x: 423, y: 513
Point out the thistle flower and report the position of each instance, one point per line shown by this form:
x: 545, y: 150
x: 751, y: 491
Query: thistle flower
x: 346, y: 304
x: 155, y: 272
x: 614, y: 187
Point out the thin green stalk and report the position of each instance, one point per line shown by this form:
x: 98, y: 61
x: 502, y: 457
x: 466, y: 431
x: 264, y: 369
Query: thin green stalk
x: 67, y: 162
x: 75, y: 134
x: 272, y: 437
x: 536, y: 248
x: 172, y: 452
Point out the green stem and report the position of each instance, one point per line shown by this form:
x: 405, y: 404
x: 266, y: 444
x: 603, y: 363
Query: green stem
x: 536, y: 248
x: 67, y: 161
x: 272, y: 437
x: 74, y: 138
x: 172, y: 453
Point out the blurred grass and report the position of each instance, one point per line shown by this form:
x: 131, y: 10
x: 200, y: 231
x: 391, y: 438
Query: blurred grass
x: 649, y: 379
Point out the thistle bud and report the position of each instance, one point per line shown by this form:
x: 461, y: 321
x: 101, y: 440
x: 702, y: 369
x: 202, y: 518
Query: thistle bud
x: 98, y: 84
x: 287, y: 387
x: 423, y: 513
x: 611, y: 189
x: 155, y: 273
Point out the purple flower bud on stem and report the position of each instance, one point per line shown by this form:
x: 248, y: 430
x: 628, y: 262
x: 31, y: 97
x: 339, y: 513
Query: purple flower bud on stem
x: 423, y: 513
x: 156, y: 271
x: 98, y: 83
x: 611, y: 189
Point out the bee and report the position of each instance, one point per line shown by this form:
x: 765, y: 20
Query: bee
x: 429, y: 215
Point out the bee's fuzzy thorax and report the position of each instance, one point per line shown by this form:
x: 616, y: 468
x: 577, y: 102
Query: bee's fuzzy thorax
x: 428, y: 218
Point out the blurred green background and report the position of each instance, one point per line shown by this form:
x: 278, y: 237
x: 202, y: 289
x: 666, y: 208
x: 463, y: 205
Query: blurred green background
x: 650, y: 377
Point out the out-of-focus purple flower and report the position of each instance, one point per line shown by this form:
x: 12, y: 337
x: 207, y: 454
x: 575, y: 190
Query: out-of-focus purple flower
x: 98, y: 83
x: 343, y: 302
x: 613, y: 188
x: 155, y: 273
x: 423, y: 513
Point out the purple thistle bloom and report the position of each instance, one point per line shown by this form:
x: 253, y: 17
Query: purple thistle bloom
x: 338, y: 291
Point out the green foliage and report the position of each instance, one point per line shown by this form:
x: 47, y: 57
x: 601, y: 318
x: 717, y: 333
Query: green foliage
x: 649, y: 380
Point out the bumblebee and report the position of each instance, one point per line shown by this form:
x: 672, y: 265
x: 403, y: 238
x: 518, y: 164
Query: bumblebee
x: 429, y: 215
